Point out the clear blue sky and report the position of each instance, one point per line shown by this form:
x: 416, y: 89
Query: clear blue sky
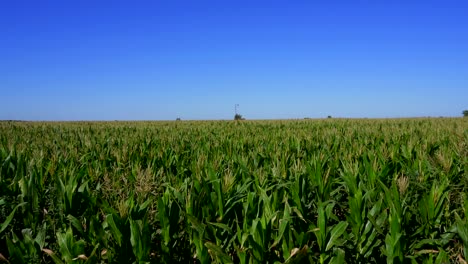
x: 152, y: 60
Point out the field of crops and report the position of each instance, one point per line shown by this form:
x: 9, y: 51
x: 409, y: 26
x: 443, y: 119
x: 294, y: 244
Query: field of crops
x: 302, y: 191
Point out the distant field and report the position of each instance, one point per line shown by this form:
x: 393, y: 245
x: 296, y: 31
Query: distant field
x: 297, y: 191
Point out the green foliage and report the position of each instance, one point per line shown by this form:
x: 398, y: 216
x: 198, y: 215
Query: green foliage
x: 238, y: 117
x: 303, y: 191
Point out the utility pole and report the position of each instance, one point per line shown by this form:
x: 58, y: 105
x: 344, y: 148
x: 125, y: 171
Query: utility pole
x: 235, y: 108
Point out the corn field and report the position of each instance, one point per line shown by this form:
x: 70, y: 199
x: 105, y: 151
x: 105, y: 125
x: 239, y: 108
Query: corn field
x: 296, y: 191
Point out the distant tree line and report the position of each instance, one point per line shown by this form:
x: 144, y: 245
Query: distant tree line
x: 238, y: 117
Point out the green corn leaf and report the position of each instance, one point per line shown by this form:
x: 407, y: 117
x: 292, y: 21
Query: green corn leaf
x: 222, y: 226
x: 83, y: 186
x: 10, y: 217
x: 218, y: 253
x: 41, y: 236
x: 339, y: 257
x: 15, y: 253
x: 370, y: 244
x: 442, y: 257
x: 135, y: 238
x: 322, y: 231
x: 75, y: 223
x: 257, y: 249
x: 115, y: 231
x: 284, y: 223
x: 335, y: 234
x: 139, y: 239
x: 199, y: 227
x: 245, y: 237
x: 164, y: 215
x: 257, y: 232
x: 65, y: 242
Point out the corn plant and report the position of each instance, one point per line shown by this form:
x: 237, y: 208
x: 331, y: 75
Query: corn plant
x: 278, y: 191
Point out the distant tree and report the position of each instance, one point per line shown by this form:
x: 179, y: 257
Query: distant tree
x: 329, y: 116
x: 178, y: 119
x: 465, y: 113
x: 238, y: 117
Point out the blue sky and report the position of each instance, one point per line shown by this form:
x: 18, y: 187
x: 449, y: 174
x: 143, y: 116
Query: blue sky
x: 159, y: 60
